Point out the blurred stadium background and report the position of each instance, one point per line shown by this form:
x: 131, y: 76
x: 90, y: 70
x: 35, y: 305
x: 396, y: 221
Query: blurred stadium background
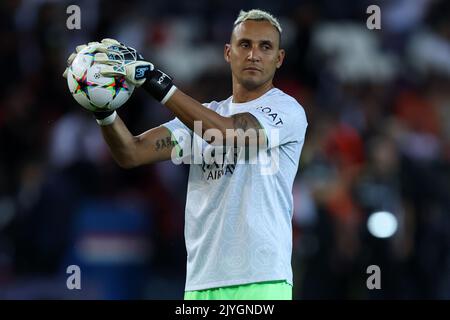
x: 378, y: 105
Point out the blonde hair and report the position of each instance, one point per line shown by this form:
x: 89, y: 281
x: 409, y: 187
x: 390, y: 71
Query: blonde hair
x: 258, y: 15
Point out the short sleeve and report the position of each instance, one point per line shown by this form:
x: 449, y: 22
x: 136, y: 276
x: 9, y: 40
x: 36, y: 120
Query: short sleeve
x: 181, y: 136
x: 283, y: 121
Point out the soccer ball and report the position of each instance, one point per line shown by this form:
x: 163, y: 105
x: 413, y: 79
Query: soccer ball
x: 92, y: 90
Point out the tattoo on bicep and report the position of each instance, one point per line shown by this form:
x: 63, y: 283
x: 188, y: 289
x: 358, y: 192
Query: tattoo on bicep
x: 240, y: 122
x: 245, y: 121
x: 166, y: 143
x: 247, y: 130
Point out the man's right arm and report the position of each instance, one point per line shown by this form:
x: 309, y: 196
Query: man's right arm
x: 131, y: 151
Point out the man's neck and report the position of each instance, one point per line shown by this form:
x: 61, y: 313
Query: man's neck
x: 242, y: 94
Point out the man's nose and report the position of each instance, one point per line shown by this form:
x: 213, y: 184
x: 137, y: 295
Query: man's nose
x: 253, y: 55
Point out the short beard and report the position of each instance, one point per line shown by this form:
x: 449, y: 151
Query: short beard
x: 251, y: 85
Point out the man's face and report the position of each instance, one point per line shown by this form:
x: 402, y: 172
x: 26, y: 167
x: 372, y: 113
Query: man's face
x: 254, y: 53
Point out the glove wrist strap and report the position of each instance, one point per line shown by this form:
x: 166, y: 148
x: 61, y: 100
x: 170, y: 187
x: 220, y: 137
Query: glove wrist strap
x: 105, y: 118
x: 169, y: 94
x: 159, y: 85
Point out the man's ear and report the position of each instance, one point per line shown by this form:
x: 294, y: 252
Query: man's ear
x: 226, y: 52
x: 281, y: 55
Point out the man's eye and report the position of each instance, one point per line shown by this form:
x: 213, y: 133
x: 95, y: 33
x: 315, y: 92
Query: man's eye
x: 244, y: 45
x: 266, y: 47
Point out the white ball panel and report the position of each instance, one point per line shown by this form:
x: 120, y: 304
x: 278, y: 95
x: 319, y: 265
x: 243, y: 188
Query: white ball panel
x: 81, y: 63
x: 94, y: 76
x: 121, y: 98
x: 100, y: 96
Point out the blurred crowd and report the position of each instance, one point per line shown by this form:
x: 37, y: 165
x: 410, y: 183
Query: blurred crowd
x: 378, y: 107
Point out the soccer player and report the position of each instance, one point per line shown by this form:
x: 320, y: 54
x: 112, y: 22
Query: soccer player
x: 238, y: 219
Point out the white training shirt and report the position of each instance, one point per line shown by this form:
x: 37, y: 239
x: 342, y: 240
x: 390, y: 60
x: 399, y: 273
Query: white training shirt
x: 238, y: 220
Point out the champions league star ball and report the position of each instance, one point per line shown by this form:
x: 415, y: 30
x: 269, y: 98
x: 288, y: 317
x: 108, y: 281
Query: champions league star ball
x: 92, y: 90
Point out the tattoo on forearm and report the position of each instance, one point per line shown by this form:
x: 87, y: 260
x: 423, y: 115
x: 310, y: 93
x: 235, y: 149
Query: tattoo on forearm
x: 166, y: 143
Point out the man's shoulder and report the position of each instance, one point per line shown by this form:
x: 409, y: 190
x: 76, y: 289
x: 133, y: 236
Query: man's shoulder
x: 214, y: 105
x: 285, y: 103
x: 279, y: 95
